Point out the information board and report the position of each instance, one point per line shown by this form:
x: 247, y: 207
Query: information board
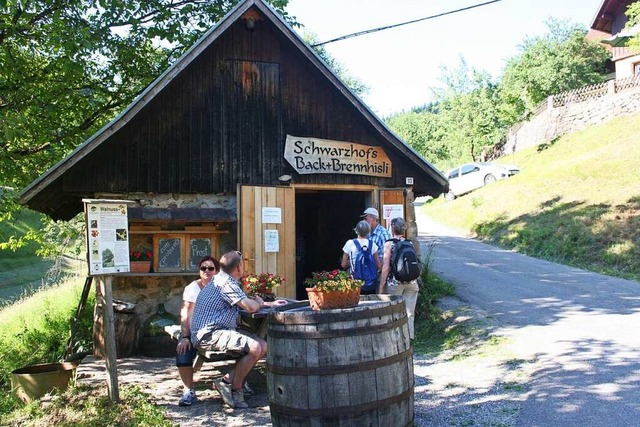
x: 107, y: 236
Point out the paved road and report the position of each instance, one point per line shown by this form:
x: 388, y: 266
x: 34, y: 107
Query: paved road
x: 582, y: 329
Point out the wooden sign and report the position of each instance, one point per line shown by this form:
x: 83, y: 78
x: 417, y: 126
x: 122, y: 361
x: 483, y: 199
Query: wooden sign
x: 313, y: 155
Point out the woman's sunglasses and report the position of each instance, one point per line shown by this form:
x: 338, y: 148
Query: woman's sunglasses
x: 207, y: 268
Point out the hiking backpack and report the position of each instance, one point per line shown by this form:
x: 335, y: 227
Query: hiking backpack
x: 364, y: 266
x: 405, y: 265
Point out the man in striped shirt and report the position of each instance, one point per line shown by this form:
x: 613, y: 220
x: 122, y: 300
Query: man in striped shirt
x: 379, y: 235
x: 214, y: 326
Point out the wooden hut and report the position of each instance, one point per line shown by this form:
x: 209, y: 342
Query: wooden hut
x: 250, y: 141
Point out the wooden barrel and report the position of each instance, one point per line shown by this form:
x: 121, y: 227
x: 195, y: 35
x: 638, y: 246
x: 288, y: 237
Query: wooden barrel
x: 349, y: 367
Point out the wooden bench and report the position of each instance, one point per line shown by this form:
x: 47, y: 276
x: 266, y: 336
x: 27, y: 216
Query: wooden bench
x: 202, y: 355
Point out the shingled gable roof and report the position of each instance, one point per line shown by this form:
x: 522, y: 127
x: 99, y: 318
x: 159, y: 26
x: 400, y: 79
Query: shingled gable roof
x: 46, y: 180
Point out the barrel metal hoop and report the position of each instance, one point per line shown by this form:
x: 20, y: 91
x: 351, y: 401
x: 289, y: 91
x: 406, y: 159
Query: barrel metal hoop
x: 341, y: 369
x: 325, y: 413
x: 310, y: 318
x: 337, y: 333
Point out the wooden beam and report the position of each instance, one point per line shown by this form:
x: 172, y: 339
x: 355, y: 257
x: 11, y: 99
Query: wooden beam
x: 104, y: 284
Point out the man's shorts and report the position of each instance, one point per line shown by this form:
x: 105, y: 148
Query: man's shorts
x: 186, y: 359
x: 235, y: 343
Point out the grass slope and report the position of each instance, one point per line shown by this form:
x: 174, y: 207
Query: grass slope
x: 576, y: 201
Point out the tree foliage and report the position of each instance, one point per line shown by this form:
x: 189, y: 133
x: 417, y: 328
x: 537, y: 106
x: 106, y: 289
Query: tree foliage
x: 68, y: 67
x: 473, y: 112
x: 470, y: 112
x: 633, y: 20
x: 559, y: 61
x: 423, y: 131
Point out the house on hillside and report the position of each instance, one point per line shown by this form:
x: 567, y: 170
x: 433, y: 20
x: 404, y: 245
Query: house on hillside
x: 608, y: 27
x: 249, y: 136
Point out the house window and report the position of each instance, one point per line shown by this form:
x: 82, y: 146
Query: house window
x: 636, y: 69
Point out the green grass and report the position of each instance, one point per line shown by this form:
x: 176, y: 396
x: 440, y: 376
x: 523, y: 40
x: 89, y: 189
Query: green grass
x: 35, y: 330
x: 430, y: 333
x: 85, y: 406
x: 576, y: 201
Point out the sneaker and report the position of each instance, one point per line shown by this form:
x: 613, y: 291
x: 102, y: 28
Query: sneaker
x: 238, y: 399
x: 225, y: 391
x: 248, y: 391
x: 188, y: 397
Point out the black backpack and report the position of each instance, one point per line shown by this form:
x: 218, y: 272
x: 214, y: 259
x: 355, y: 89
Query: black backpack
x: 405, y: 265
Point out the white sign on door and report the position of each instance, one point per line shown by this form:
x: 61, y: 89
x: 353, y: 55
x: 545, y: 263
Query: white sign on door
x: 271, y: 216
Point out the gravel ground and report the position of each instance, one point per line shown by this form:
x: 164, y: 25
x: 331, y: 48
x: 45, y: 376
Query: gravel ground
x: 481, y: 382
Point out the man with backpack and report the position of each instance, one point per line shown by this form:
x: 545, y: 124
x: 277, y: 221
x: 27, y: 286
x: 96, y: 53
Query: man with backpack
x: 378, y: 235
x: 401, y: 269
x: 361, y: 254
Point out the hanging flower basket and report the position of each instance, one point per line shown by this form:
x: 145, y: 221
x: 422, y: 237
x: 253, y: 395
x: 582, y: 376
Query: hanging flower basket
x: 329, y: 300
x: 333, y: 289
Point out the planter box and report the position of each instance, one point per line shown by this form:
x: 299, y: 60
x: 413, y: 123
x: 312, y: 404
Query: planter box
x: 322, y: 300
x: 139, y: 266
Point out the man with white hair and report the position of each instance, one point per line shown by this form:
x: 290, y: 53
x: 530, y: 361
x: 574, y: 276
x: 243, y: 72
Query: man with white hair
x: 379, y: 234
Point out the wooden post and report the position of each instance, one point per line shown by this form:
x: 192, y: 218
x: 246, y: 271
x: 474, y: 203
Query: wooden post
x: 109, y: 335
x: 410, y: 219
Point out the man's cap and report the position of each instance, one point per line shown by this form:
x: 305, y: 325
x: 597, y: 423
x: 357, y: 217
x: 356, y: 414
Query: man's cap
x: 372, y: 212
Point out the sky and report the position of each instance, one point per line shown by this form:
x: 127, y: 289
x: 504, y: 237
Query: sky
x: 401, y: 65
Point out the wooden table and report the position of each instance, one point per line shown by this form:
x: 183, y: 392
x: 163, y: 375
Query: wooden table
x: 257, y: 322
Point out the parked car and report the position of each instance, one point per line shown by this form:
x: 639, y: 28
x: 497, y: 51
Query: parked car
x: 471, y: 176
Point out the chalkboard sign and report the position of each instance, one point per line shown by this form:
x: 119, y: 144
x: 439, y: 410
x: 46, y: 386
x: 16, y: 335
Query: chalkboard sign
x: 169, y: 254
x: 198, y: 248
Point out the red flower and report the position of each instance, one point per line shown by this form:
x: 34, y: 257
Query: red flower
x: 140, y: 256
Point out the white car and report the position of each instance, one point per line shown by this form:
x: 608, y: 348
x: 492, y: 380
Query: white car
x: 471, y: 176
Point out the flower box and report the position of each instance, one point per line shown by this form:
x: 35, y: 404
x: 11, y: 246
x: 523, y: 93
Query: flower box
x: 329, y: 300
x: 139, y: 266
x: 333, y: 289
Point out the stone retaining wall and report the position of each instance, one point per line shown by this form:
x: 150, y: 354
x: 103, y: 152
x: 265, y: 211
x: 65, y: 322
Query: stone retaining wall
x: 554, y: 121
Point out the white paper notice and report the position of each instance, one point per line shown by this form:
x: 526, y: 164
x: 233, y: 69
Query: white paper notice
x: 271, y: 216
x: 271, y: 241
x: 392, y: 211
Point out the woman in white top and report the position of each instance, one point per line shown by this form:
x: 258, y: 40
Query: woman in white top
x: 349, y: 250
x: 185, y: 353
x: 408, y: 290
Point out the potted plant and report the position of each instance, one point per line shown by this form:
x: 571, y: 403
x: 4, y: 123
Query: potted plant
x: 263, y: 283
x: 333, y: 289
x: 140, y: 261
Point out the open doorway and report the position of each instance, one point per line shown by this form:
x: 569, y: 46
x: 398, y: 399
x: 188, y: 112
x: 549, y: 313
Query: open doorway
x: 324, y: 222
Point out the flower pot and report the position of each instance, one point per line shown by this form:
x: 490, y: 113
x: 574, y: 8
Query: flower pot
x: 33, y: 382
x: 139, y: 266
x: 324, y: 300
